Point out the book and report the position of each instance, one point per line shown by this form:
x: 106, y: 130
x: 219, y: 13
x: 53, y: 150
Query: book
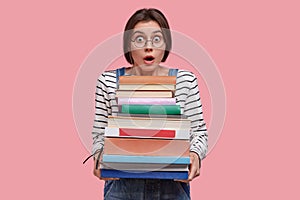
x: 146, y: 133
x: 146, y: 159
x: 151, y: 109
x: 147, y: 87
x: 145, y: 93
x: 146, y: 147
x: 144, y: 167
x: 149, y: 123
x: 150, y: 115
x: 109, y: 173
x: 149, y: 101
x: 147, y: 80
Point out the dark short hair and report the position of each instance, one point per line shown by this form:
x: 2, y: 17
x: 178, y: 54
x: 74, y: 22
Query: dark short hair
x: 146, y: 15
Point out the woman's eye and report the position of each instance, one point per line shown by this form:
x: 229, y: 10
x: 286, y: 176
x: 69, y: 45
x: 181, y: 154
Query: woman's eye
x: 139, y: 39
x: 156, y: 39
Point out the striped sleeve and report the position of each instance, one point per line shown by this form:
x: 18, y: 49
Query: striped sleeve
x: 102, y: 110
x: 193, y: 110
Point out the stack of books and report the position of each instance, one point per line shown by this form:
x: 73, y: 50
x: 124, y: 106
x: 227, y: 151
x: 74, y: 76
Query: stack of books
x: 149, y: 138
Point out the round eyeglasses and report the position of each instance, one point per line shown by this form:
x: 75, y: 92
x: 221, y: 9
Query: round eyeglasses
x: 141, y: 41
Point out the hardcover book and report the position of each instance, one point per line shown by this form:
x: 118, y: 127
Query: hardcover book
x: 157, y: 80
x: 151, y: 109
x: 144, y: 167
x: 146, y: 147
x: 109, y: 173
x: 146, y: 87
x: 147, y: 133
x: 151, y: 115
x: 144, y: 93
x: 147, y: 101
x: 149, y: 123
x: 146, y: 159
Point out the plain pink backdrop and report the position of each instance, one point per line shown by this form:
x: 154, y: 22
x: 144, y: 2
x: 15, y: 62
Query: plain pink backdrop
x: 255, y: 45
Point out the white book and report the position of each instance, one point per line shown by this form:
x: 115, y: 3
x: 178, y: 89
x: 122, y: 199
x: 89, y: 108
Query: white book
x: 149, y: 123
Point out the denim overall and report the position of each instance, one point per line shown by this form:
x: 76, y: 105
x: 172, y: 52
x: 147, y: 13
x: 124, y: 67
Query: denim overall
x: 145, y: 189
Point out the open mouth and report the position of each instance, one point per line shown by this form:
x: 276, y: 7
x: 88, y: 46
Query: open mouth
x: 149, y: 58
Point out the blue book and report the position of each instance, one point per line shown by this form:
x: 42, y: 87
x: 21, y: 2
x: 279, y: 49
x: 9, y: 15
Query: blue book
x: 146, y: 159
x: 110, y: 173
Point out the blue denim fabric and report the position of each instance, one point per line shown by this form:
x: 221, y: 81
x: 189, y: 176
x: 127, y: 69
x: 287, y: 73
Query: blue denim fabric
x: 146, y: 189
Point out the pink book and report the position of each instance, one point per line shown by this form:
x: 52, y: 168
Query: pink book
x: 146, y: 101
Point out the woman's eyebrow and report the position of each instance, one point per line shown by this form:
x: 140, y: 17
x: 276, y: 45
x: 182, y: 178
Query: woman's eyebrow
x: 157, y: 31
x: 138, y: 32
x: 141, y: 32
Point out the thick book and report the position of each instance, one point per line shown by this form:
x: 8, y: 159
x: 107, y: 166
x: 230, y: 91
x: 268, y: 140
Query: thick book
x: 146, y: 133
x: 149, y: 123
x: 149, y: 101
x: 147, y: 80
x: 145, y: 159
x: 146, y: 147
x: 145, y: 93
x: 151, y: 109
x: 150, y: 115
x: 147, y: 87
x: 144, y: 167
x: 110, y: 173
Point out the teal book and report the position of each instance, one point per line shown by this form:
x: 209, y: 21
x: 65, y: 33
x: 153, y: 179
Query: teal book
x: 151, y: 109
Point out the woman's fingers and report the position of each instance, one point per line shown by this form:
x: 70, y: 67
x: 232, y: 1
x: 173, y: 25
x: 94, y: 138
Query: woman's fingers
x: 194, y: 166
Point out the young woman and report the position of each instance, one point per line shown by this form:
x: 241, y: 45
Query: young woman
x: 146, y: 44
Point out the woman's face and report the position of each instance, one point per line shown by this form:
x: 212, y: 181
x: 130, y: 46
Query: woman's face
x: 147, y: 45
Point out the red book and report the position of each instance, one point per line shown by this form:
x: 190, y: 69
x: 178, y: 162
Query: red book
x: 147, y: 132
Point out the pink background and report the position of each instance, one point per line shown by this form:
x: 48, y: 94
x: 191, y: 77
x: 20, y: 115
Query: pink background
x: 255, y: 45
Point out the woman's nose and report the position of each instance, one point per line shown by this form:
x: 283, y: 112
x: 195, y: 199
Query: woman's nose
x: 148, y: 46
x: 148, y: 49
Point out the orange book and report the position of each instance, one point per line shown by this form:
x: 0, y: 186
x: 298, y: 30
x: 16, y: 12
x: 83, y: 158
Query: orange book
x: 147, y: 80
x: 146, y: 147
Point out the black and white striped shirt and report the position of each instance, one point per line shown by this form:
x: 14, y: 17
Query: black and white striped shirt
x: 186, y: 94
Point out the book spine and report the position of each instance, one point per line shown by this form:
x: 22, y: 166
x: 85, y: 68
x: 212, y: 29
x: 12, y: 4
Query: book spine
x: 147, y: 80
x: 153, y: 133
x: 149, y: 101
x: 151, y: 109
x: 146, y: 123
x: 144, y: 167
x: 145, y: 93
x: 109, y: 173
x: 147, y: 133
x: 146, y: 159
x: 146, y: 87
x: 146, y: 147
x: 149, y: 115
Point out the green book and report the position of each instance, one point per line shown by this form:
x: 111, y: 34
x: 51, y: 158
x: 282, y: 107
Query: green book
x: 151, y: 109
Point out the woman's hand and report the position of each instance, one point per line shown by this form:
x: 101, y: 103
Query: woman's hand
x: 97, y: 173
x: 194, y: 169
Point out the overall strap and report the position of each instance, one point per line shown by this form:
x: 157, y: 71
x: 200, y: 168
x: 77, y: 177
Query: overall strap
x: 119, y: 72
x: 173, y: 72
